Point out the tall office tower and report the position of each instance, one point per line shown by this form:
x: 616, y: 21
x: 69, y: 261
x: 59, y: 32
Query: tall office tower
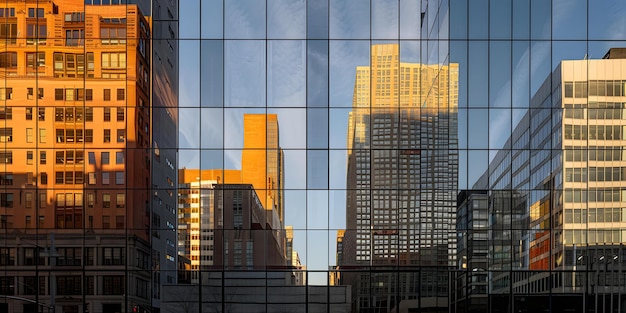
x: 77, y: 110
x: 196, y: 211
x: 262, y: 162
x: 163, y: 141
x: 402, y: 177
x: 564, y: 179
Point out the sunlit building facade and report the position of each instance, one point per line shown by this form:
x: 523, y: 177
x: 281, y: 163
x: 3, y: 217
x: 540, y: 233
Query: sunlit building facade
x: 77, y: 109
x: 262, y: 161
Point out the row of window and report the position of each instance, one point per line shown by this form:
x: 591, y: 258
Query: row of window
x: 581, y: 154
x: 594, y: 88
x: 76, y: 135
x: 67, y: 94
x: 593, y: 132
x: 63, y: 200
x: 65, y: 285
x: 595, y: 174
x: 69, y: 114
x: 595, y: 114
x: 595, y: 215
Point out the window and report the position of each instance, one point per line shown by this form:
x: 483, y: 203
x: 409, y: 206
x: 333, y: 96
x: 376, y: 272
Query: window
x: 120, y: 94
x: 120, y: 200
x: 7, y: 12
x: 80, y: 94
x: 39, y: 12
x: 80, y: 115
x: 69, y: 256
x: 120, y: 113
x: 6, y: 93
x: 6, y: 134
x: 60, y: 135
x: 60, y: 157
x: 113, y: 285
x: 7, y: 255
x: 119, y: 222
x: 113, y: 35
x: 90, y: 200
x: 114, y: 60
x: 88, y: 94
x: 106, y: 222
x: 6, y: 113
x: 43, y: 177
x: 74, y: 37
x: 75, y: 17
x: 42, y: 135
x: 41, y: 112
x: 36, y: 32
x: 104, y: 156
x: 33, y: 256
x: 119, y: 178
x: 58, y: 94
x: 58, y: 177
x: 121, y: 135
x: 69, y: 94
x: 88, y: 114
x: 29, y: 112
x: 88, y: 135
x: 42, y: 157
x: 29, y: 135
x: 107, y: 135
x: 6, y: 200
x: 72, y: 64
x: 106, y: 200
x: 8, y: 60
x: 35, y: 61
x: 107, y: 114
x: 112, y: 256
x: 69, y: 285
x: 107, y: 94
x: 91, y: 157
x: 106, y: 178
x: 6, y: 157
x: 91, y: 178
x: 30, y: 157
x: 8, y: 31
x: 119, y: 157
x: 6, y: 179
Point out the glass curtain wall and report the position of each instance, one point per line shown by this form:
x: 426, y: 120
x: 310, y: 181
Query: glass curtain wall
x: 432, y: 155
x: 538, y: 228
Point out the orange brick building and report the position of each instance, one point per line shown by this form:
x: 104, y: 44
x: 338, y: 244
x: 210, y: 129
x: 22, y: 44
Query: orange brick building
x: 77, y: 162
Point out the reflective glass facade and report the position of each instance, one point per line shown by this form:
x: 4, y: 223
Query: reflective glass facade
x: 312, y: 156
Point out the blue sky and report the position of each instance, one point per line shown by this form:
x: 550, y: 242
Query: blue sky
x: 310, y: 84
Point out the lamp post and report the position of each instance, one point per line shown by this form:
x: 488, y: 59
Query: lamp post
x: 612, y: 261
x: 601, y: 258
x: 579, y: 259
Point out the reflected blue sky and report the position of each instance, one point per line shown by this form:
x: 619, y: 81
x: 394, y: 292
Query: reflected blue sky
x: 222, y: 80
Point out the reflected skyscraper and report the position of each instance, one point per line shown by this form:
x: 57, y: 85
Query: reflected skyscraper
x: 556, y: 199
x: 402, y: 178
x: 262, y: 162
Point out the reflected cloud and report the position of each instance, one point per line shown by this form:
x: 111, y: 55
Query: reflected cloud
x: 286, y: 73
x: 245, y: 19
x: 349, y: 19
x: 286, y: 19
